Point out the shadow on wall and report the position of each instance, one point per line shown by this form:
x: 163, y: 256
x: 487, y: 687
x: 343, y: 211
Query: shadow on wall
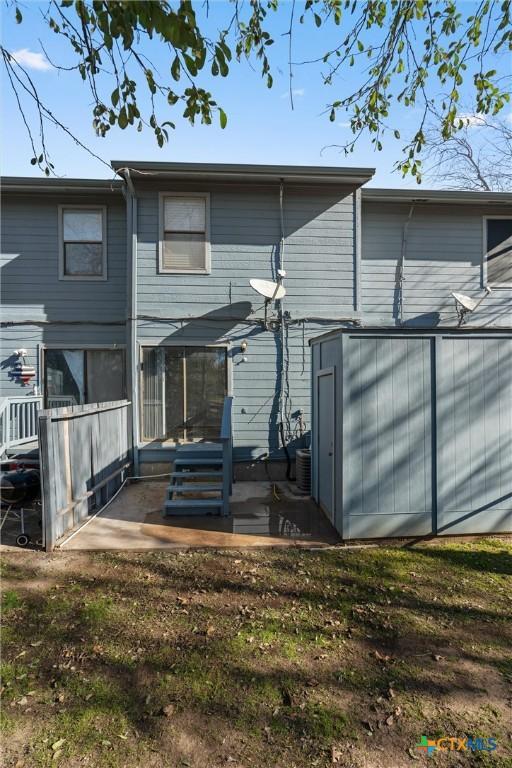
x: 245, y: 237
x: 8, y: 364
x: 223, y: 324
x: 245, y: 240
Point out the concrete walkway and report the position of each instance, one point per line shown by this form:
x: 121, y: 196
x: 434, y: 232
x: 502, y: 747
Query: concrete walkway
x: 263, y: 514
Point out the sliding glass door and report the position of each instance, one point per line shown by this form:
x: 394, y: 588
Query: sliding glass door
x: 183, y: 391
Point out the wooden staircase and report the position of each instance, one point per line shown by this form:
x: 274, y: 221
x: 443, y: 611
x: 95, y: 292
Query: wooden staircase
x: 201, y: 481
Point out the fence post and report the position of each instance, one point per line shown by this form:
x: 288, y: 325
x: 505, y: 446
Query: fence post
x: 48, y: 521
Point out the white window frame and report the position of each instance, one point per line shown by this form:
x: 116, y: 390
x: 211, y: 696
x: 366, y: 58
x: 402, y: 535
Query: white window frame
x: 485, y: 281
x: 151, y: 344
x: 161, y: 231
x: 62, y: 261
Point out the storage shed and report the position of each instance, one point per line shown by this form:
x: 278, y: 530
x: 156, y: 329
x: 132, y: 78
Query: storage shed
x: 412, y: 432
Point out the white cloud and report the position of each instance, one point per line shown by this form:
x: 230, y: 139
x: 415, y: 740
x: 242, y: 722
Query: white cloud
x: 296, y: 93
x: 472, y: 121
x: 344, y: 125
x: 31, y: 60
x: 508, y: 118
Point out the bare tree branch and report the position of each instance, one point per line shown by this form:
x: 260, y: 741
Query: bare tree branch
x: 478, y: 157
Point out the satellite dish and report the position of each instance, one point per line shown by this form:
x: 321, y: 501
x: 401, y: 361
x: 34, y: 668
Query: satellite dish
x: 467, y: 302
x: 268, y: 289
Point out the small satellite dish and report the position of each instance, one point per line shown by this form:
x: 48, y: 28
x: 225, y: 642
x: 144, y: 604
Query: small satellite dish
x: 467, y: 302
x: 268, y: 289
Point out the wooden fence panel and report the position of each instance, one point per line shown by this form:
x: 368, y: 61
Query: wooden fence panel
x: 84, y: 453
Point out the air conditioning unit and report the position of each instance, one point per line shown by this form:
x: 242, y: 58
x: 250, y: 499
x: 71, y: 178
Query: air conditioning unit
x: 303, y: 469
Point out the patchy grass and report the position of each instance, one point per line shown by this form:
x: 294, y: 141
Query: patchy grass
x: 269, y: 658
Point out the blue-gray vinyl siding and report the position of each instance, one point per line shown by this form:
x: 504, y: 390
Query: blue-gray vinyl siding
x: 37, y: 308
x: 424, y: 432
x: 218, y: 308
x: 444, y: 252
x: 31, y: 289
x: 35, y: 337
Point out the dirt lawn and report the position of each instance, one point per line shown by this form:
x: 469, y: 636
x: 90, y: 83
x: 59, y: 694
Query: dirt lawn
x: 341, y: 657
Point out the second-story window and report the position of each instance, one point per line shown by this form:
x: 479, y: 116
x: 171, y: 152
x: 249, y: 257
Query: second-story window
x: 184, y: 240
x: 498, y: 251
x: 83, y: 246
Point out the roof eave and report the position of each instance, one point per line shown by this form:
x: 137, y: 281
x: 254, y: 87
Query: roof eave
x: 435, y: 196
x: 27, y: 184
x: 253, y: 173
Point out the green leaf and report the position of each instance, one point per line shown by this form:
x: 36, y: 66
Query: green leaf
x: 176, y: 69
x: 191, y: 64
x: 223, y: 119
x: 115, y: 97
x: 19, y: 17
x: 122, y: 119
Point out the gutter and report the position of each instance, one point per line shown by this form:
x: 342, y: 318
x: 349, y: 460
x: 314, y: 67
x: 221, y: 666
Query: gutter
x: 401, y: 264
x: 244, y: 173
x: 59, y: 186
x: 419, y: 196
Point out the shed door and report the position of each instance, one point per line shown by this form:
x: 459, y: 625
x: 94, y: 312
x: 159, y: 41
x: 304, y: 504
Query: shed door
x: 387, y: 435
x: 474, y: 434
x: 326, y: 437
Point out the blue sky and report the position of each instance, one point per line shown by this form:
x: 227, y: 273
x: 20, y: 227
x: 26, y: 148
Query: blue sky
x: 261, y: 128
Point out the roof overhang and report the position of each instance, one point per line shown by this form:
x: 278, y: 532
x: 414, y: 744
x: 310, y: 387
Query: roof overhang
x: 300, y: 174
x: 453, y: 196
x: 59, y: 186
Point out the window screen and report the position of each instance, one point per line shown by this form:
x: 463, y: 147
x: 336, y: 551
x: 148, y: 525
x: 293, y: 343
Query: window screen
x: 499, y: 252
x: 184, y: 245
x: 183, y: 392
x: 83, y: 246
x: 105, y: 375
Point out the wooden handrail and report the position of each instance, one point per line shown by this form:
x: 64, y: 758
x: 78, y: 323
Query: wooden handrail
x: 226, y: 437
x: 225, y: 425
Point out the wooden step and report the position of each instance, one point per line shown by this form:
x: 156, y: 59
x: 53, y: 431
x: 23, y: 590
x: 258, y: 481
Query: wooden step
x: 192, y: 506
x: 200, y: 462
x: 195, y: 449
x: 194, y: 487
x: 202, y: 473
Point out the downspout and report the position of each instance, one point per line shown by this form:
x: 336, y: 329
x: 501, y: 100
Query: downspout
x: 357, y: 249
x: 131, y: 203
x: 401, y: 264
x: 280, y: 275
x: 280, y: 270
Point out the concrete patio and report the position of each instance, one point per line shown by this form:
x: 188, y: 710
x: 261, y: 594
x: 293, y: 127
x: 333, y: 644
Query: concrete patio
x: 262, y: 514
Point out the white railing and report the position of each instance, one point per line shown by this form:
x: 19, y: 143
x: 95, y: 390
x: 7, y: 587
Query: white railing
x: 18, y: 420
x: 61, y: 401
